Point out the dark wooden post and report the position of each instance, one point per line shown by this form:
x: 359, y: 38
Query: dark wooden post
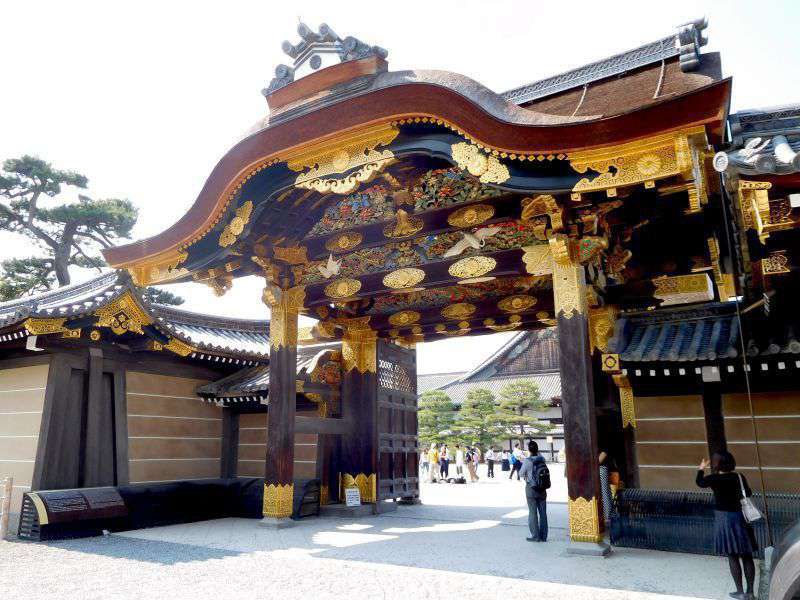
x: 285, y: 305
x: 100, y: 462
x: 577, y: 394
x: 229, y: 462
x: 359, y: 399
x: 714, y: 419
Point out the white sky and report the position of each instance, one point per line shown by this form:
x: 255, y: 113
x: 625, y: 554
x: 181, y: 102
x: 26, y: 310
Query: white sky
x: 145, y: 97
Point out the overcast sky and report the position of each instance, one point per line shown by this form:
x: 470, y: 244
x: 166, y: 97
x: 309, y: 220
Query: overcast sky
x: 145, y: 97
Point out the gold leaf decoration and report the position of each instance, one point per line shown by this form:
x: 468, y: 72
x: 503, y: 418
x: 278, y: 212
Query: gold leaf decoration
x: 235, y: 228
x: 123, y: 315
x: 344, y: 242
x: 178, y: 347
x: 293, y: 255
x: 472, y: 266
x: 44, y: 326
x: 515, y: 304
x: 470, y: 216
x: 366, y: 484
x: 403, y: 278
x: 356, y: 151
x: 342, y: 288
x: 584, y: 520
x: 488, y: 169
x: 458, y: 311
x: 404, y: 317
x: 278, y: 500
x: 403, y: 226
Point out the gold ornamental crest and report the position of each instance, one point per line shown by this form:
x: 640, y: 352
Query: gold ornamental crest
x: 461, y: 310
x: 472, y: 266
x: 236, y: 226
x: 470, y: 216
x: 342, y: 288
x: 403, y: 278
x: 344, y: 242
x: 404, y: 317
x: 514, y: 304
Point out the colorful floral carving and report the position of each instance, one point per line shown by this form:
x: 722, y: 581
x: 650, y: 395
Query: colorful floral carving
x: 475, y: 292
x: 422, y: 250
x: 366, y: 206
x: 443, y: 187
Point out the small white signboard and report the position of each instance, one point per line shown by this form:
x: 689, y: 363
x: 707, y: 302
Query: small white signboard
x: 549, y: 439
x: 352, y: 496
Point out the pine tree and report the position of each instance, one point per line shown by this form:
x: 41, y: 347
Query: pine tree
x: 437, y: 418
x: 69, y: 232
x: 517, y: 400
x: 478, y: 422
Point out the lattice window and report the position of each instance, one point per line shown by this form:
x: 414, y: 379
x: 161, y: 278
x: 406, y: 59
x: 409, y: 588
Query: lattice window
x: 394, y: 377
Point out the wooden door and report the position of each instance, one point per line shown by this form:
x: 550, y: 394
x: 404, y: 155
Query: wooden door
x: 398, y: 463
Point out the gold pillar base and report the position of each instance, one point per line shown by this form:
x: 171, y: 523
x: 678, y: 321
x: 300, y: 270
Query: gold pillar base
x: 324, y: 495
x: 584, y: 520
x: 278, y: 500
x: 366, y: 484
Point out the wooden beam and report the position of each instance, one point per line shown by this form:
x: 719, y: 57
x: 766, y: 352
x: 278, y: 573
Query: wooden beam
x: 323, y: 426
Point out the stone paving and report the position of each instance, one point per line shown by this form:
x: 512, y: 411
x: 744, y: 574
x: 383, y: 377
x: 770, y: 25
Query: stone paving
x: 465, y: 542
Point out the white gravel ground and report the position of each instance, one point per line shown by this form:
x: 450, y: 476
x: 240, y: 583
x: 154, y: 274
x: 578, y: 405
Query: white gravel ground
x: 465, y: 542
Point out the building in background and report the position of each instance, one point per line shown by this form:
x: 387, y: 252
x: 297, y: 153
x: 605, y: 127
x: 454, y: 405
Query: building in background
x: 528, y: 356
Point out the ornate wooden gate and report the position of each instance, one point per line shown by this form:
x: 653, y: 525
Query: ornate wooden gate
x: 398, y: 462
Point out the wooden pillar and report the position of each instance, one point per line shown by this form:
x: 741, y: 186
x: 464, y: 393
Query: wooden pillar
x: 284, y: 305
x: 229, y: 463
x: 714, y: 419
x: 359, y: 398
x: 628, y: 415
x: 577, y: 394
x: 99, y: 458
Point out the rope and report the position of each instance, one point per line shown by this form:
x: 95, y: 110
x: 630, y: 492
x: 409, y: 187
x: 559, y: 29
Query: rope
x: 660, y: 79
x: 746, y: 370
x: 580, y: 102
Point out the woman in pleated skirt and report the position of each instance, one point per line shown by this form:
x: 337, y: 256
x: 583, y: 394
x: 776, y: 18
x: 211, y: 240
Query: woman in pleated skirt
x: 733, y: 536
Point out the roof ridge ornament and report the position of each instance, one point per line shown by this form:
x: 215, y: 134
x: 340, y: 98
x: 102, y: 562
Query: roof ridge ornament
x: 689, y: 40
x: 312, y: 47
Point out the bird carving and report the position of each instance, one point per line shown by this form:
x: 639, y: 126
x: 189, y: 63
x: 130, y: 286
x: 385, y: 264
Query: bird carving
x: 331, y: 268
x: 475, y: 240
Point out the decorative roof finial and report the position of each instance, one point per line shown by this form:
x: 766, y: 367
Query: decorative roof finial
x: 690, y: 39
x: 312, y: 46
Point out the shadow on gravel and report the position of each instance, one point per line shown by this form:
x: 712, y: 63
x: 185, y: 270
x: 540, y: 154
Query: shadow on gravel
x: 163, y: 553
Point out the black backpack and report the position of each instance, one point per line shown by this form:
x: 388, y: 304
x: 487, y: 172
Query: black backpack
x: 540, y: 477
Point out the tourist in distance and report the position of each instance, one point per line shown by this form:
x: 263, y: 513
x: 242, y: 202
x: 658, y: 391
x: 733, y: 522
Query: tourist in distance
x: 490, y: 458
x: 536, y: 475
x: 425, y: 463
x: 733, y: 536
x: 433, y: 458
x: 505, y: 459
x: 444, y: 462
x: 459, y: 460
x: 472, y: 464
x: 516, y: 461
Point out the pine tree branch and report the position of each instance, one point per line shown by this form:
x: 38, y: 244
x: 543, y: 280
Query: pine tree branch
x: 91, y: 260
x: 34, y: 229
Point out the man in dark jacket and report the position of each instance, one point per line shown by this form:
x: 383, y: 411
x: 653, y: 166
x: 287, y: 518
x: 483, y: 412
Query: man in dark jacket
x: 536, y: 475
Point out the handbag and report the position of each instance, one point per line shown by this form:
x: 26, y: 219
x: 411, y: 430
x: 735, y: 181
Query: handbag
x: 749, y: 510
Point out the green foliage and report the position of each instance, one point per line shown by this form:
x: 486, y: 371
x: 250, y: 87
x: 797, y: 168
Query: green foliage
x: 518, y: 400
x: 20, y: 276
x: 70, y: 232
x: 160, y: 296
x: 478, y: 422
x: 437, y: 418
